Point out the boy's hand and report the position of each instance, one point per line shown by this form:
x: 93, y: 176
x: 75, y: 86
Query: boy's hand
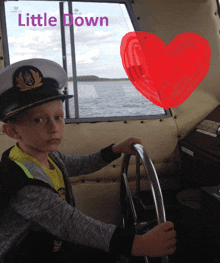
x: 125, y: 146
x: 159, y: 241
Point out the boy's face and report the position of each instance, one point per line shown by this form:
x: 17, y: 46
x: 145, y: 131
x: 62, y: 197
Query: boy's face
x: 41, y: 129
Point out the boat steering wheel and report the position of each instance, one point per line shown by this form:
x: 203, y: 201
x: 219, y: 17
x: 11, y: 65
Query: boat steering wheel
x: 127, y: 201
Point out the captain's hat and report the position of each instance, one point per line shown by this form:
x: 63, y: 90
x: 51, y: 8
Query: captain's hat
x: 29, y: 83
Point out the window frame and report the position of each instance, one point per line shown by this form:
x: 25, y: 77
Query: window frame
x: 77, y: 119
x: 218, y: 7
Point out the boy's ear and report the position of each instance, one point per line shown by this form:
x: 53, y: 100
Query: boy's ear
x: 10, y: 130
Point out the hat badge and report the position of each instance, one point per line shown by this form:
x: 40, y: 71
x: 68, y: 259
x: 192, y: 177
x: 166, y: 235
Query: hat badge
x: 28, y: 80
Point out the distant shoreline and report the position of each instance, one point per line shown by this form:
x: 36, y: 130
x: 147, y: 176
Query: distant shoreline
x: 95, y: 78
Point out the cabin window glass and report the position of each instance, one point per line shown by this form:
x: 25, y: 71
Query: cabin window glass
x: 103, y: 88
x: 28, y: 40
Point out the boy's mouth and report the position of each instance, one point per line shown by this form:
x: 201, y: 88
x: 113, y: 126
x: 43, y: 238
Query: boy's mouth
x: 54, y: 141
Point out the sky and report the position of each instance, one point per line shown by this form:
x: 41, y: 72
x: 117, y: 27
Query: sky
x: 97, y: 47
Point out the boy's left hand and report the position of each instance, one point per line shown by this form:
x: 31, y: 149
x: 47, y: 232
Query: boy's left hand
x: 125, y: 146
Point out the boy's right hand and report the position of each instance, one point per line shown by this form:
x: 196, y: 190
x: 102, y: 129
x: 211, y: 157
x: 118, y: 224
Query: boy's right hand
x: 157, y: 242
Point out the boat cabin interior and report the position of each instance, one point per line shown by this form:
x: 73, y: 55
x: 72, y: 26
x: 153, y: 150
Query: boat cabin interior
x: 182, y: 142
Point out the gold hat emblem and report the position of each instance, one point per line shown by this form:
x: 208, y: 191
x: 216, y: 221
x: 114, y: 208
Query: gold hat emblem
x: 36, y: 81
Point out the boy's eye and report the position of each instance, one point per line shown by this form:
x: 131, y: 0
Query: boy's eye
x: 39, y: 120
x: 59, y: 117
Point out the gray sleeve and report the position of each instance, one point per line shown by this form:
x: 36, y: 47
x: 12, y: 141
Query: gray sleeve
x: 40, y: 205
x: 80, y: 165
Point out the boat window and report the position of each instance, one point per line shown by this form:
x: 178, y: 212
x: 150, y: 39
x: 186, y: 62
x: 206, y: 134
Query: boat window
x: 84, y: 38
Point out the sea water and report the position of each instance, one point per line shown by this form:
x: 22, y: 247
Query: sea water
x: 110, y: 99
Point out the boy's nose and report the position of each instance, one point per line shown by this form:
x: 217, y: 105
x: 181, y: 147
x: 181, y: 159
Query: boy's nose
x: 53, y: 125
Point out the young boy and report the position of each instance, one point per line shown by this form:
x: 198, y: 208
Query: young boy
x: 39, y: 222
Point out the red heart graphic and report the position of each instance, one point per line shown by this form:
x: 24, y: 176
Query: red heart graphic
x: 166, y: 75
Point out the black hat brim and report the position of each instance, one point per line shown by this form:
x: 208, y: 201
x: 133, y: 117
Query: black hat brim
x: 13, y: 113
